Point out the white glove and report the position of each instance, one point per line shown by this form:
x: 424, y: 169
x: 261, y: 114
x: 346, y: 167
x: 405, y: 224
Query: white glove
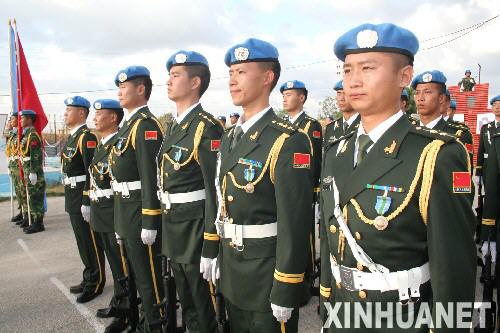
x: 476, y: 180
x: 118, y: 239
x: 206, y: 267
x: 215, y: 271
x: 86, y: 213
x: 281, y: 313
x: 148, y: 236
x: 33, y: 178
x: 493, y: 250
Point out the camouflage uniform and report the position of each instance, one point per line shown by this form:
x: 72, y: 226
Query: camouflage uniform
x: 31, y: 155
x: 467, y: 83
x: 11, y: 150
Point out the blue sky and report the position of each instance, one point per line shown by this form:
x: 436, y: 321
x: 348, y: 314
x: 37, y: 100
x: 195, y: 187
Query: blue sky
x: 81, y: 44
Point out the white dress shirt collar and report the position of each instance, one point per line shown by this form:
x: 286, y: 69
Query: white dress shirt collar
x: 183, y: 116
x: 107, y: 138
x: 129, y: 115
x: 432, y: 123
x: 294, y: 119
x: 245, y: 126
x: 75, y: 129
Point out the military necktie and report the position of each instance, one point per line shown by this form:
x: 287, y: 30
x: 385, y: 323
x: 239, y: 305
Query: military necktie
x: 364, y: 143
x: 238, y: 133
x: 346, y: 126
x: 173, y: 126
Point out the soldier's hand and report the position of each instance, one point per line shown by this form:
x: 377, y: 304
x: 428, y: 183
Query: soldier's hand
x: 85, y: 213
x: 148, y: 236
x: 493, y: 251
x: 118, y: 239
x: 33, y: 178
x: 206, y: 267
x: 215, y: 271
x: 281, y: 313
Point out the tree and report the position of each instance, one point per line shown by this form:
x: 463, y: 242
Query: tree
x: 411, y: 108
x: 328, y: 107
x: 165, y: 119
x: 281, y: 113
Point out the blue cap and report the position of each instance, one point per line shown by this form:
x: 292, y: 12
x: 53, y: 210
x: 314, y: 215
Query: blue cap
x: 453, y: 105
x: 495, y: 99
x: 111, y: 104
x: 77, y: 101
x: 294, y: 84
x: 468, y: 71
x: 447, y: 92
x: 28, y: 113
x: 14, y: 113
x: 404, y: 93
x: 221, y: 118
x: 186, y: 58
x: 339, y: 86
x: 385, y: 37
x: 130, y: 73
x: 234, y: 114
x: 433, y: 76
x: 251, y: 50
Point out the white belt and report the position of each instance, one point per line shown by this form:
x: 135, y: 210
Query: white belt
x: 485, y: 155
x: 238, y: 232
x: 73, y: 180
x: 354, y: 279
x: 125, y: 187
x: 174, y: 198
x: 100, y: 193
x: 13, y: 158
x: 26, y: 159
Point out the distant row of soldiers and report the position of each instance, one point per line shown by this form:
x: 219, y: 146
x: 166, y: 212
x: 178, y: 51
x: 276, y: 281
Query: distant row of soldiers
x: 25, y: 166
x: 232, y: 211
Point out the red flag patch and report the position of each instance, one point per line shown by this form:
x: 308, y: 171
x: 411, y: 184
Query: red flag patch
x: 91, y: 144
x: 316, y: 134
x: 214, y: 145
x: 34, y: 143
x: 461, y: 182
x: 151, y: 135
x: 301, y: 161
x: 469, y: 148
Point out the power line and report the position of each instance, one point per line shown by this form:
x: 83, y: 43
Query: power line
x: 468, y: 30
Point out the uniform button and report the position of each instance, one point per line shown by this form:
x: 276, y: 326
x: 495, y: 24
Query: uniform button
x: 333, y: 229
x: 230, y: 220
x: 231, y: 244
x: 359, y: 266
x: 358, y: 235
x: 362, y: 294
x: 165, y: 211
x: 166, y: 174
x: 338, y: 285
x: 230, y: 198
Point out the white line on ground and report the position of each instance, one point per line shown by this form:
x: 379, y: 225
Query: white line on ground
x: 82, y: 309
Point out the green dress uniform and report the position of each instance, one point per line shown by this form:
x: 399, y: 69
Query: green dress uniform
x: 136, y: 205
x: 31, y: 156
x: 264, y: 239
x: 485, y: 139
x: 76, y: 157
x: 12, y: 152
x: 102, y: 219
x: 338, y: 128
x: 392, y: 203
x: 187, y: 162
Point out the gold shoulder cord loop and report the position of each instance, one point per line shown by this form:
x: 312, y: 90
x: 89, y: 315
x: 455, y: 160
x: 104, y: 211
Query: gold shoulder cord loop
x: 305, y: 131
x: 194, y: 154
x: 271, y: 161
x: 24, y: 150
x: 131, y: 137
x: 425, y: 168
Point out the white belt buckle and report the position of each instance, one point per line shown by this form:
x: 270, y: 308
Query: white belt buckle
x: 125, y: 192
x: 238, y: 238
x: 165, y: 200
x: 72, y: 182
x: 347, y: 278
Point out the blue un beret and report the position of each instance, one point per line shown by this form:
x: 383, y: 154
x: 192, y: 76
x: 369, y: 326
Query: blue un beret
x: 447, y: 92
x: 339, y: 86
x: 404, y: 93
x: 433, y: 76
x: 468, y: 71
x: 385, y: 37
x: 453, y: 105
x: 77, y: 101
x: 110, y: 104
x: 294, y: 84
x: 14, y: 113
x: 186, y: 58
x: 130, y: 73
x: 222, y: 118
x: 495, y: 99
x: 234, y: 114
x: 251, y: 50
x: 28, y: 113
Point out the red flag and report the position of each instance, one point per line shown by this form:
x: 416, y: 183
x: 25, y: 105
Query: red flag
x: 27, y: 92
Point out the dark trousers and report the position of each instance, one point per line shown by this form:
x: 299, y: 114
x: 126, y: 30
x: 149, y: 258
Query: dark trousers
x: 197, y: 298
x: 243, y: 321
x: 146, y: 270
x: 112, y: 251
x: 91, y: 253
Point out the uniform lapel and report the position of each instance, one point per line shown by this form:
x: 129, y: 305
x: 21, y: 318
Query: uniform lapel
x: 441, y: 124
x: 299, y: 121
x: 182, y: 129
x: 380, y: 160
x: 247, y: 143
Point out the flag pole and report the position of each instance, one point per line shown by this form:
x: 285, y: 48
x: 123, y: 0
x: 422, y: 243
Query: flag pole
x: 8, y: 119
x: 19, y: 85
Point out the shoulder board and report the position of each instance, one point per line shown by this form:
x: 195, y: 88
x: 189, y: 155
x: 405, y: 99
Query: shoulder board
x: 283, y: 126
x: 432, y: 134
x: 343, y: 137
x: 145, y: 115
x: 458, y: 125
x: 208, y: 118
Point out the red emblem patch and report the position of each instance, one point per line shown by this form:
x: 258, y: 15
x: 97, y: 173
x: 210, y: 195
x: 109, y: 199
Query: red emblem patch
x: 461, y: 182
x: 214, y: 145
x: 301, y: 161
x: 316, y: 134
x: 469, y: 147
x: 91, y: 144
x: 151, y: 135
x: 34, y: 144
